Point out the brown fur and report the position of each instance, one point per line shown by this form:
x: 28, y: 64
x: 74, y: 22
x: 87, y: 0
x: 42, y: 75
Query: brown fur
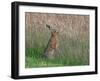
x: 52, y: 45
x: 53, y: 41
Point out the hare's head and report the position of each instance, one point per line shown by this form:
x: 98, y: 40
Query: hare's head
x: 53, y: 31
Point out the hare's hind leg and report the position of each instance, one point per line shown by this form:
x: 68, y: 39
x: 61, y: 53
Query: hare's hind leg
x: 49, y: 54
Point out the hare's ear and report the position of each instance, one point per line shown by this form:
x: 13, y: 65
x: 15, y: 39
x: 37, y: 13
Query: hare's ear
x: 48, y: 26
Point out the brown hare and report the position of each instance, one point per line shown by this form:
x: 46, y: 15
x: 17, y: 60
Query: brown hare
x: 52, y: 43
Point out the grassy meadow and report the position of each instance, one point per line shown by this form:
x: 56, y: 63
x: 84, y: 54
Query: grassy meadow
x: 73, y: 49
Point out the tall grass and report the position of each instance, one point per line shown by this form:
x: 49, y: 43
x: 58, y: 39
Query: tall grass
x: 73, y: 49
x: 70, y: 53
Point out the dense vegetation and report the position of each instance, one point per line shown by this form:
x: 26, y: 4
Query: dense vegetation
x: 73, y: 39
